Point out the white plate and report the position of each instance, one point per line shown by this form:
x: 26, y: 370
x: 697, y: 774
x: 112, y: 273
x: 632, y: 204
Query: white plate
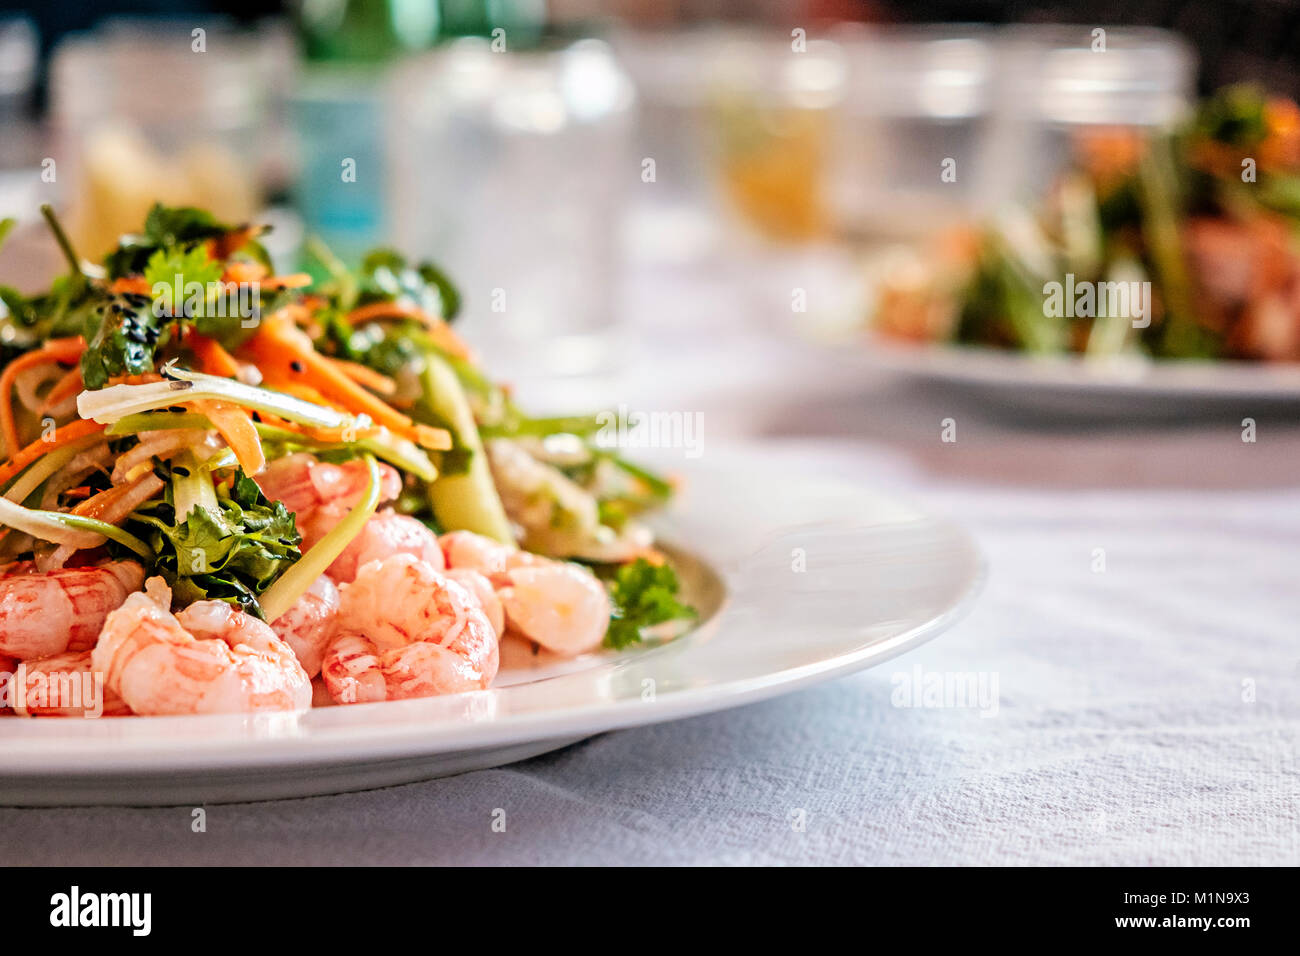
x: 880, y: 578
x: 1129, y: 385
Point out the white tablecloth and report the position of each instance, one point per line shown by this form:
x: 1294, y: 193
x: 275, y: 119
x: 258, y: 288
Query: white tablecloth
x: 1147, y: 713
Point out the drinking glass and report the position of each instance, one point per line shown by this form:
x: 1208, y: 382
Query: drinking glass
x: 510, y: 169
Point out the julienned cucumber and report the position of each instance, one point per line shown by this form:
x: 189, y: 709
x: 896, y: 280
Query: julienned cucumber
x: 466, y: 501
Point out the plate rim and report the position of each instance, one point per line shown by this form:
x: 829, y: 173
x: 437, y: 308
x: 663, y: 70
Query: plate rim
x: 47, y: 750
x: 1133, y: 374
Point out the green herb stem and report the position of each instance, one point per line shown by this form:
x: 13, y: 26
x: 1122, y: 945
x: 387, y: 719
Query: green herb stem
x: 64, y: 242
x: 43, y: 468
x: 293, y: 584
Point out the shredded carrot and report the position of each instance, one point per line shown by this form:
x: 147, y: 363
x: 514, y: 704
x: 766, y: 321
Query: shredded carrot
x: 55, y: 350
x: 223, y: 247
x: 213, y: 359
x: 438, y: 329
x: 363, y: 375
x: 235, y: 426
x: 310, y: 394
x: 255, y: 272
x: 43, y: 446
x: 286, y: 357
x: 142, y: 379
x: 332, y: 435
x: 136, y: 284
x: 113, y: 504
x: 63, y: 389
x: 306, y: 392
x: 95, y: 505
x: 294, y: 280
x: 244, y: 272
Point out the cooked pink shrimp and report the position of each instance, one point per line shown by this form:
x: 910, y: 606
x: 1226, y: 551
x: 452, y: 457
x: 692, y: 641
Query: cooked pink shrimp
x: 310, y: 624
x: 384, y: 534
x: 475, y: 552
x: 305, y: 484
x: 559, y: 605
x: 321, y: 494
x: 56, y: 687
x: 7, y: 667
x: 60, y: 610
x: 211, y: 658
x: 480, y: 588
x: 406, y: 630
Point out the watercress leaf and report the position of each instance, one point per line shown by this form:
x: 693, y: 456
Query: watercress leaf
x: 387, y: 276
x: 123, y: 334
x: 233, y: 555
x: 643, y: 595
x: 165, y: 227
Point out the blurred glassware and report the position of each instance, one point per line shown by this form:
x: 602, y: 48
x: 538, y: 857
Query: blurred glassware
x: 350, y: 46
x: 511, y: 170
x: 365, y: 31
x: 675, y: 217
x: 772, y: 101
x: 522, y: 21
x: 18, y: 53
x: 913, y: 145
x: 144, y: 111
x: 1057, y: 82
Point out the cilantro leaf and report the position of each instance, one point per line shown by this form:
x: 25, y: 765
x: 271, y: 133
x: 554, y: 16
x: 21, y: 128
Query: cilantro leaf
x: 190, y: 278
x: 643, y: 595
x: 386, y: 276
x: 127, y: 330
x: 231, y: 556
x: 173, y: 268
x: 166, y: 227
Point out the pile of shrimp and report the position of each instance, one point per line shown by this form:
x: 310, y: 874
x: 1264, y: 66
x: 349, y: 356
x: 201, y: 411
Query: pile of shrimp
x: 401, y: 613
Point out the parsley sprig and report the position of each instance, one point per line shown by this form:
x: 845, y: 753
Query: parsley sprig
x: 643, y: 595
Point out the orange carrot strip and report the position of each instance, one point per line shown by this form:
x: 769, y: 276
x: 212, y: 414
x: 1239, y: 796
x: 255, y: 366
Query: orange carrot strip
x: 213, y: 359
x: 223, y: 247
x: 63, y: 389
x: 295, y: 280
x: 286, y: 357
x: 42, y: 446
x: 55, y: 350
x: 141, y: 379
x: 438, y: 329
x: 244, y: 272
x: 137, y: 284
x: 364, y: 375
x: 113, y: 504
x: 319, y: 434
x: 309, y: 394
x: 235, y: 425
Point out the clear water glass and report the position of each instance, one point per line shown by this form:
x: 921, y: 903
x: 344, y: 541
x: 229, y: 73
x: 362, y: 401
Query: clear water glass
x: 510, y: 168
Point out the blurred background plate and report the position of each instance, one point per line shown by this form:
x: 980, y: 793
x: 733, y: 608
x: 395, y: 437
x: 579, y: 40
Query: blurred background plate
x: 1073, y: 385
